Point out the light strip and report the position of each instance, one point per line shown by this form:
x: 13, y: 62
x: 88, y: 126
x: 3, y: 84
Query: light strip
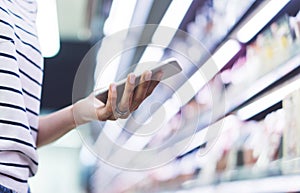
x: 47, y: 27
x: 120, y: 16
x: 167, y: 111
x: 259, y: 20
x: 151, y: 53
x: 108, y: 73
x: 208, y: 70
x: 209, y: 134
x: 268, y: 100
x: 192, y: 142
x: 223, y: 55
x: 172, y: 19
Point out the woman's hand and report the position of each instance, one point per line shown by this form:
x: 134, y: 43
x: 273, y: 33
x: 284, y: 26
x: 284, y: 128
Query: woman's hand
x: 91, y: 108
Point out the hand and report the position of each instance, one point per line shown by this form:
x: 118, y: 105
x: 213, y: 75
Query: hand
x: 90, y: 108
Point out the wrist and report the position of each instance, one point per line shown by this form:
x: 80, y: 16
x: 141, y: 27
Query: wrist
x: 84, y: 110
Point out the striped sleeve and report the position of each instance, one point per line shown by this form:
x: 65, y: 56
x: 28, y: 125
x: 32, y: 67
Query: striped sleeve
x: 18, y: 159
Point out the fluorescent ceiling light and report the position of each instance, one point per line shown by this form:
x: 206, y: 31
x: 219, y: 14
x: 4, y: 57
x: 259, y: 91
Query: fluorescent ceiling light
x: 197, y: 140
x: 108, y: 73
x: 162, y: 37
x: 175, y: 13
x: 259, y: 20
x: 47, y: 27
x: 164, y: 113
x: 172, y: 19
x: 268, y: 100
x: 208, y: 70
x: 119, y: 19
x: 226, y: 52
x: 151, y: 53
x: 120, y: 16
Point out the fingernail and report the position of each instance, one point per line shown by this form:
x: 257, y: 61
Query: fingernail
x: 113, y: 87
x: 132, y: 78
x: 148, y: 75
x: 160, y: 75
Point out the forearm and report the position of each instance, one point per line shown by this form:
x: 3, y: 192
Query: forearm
x: 55, y: 125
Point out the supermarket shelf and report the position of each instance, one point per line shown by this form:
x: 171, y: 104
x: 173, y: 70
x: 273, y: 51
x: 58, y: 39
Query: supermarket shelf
x: 203, y: 134
x: 236, y: 101
x: 200, y: 135
x: 232, y: 181
x: 268, y: 99
x: 286, y: 183
x: 253, y: 97
x: 206, y: 120
x: 262, y: 85
x: 280, y: 176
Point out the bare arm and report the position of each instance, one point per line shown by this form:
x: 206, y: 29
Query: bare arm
x: 55, y: 125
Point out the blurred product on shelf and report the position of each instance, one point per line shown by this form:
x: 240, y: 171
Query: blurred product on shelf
x: 270, y: 50
x: 246, y: 144
x: 243, y: 145
x: 291, y: 142
x: 210, y: 26
x: 215, y: 19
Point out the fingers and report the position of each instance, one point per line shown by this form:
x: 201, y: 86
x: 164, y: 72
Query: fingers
x: 125, y: 102
x: 154, y: 82
x: 107, y: 112
x: 132, y: 96
x: 141, y: 90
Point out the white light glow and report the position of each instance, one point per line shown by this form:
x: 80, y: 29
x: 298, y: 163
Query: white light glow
x: 207, y: 71
x: 120, y: 16
x: 162, y: 37
x: 175, y: 13
x: 171, y: 19
x: 108, y: 74
x: 258, y: 21
x: 167, y: 111
x: 196, y: 140
x: 151, y: 53
x: 210, y: 133
x: 223, y: 55
x: 47, y: 27
x: 267, y: 100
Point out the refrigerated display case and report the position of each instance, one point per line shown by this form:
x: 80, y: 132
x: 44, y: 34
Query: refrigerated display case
x: 233, y: 140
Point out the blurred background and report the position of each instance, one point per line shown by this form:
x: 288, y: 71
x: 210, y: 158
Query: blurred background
x: 250, y: 49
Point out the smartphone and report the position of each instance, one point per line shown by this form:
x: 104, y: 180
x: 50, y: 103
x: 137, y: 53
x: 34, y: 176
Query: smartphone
x: 168, y: 67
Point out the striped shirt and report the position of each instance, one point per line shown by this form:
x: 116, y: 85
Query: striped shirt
x: 21, y: 74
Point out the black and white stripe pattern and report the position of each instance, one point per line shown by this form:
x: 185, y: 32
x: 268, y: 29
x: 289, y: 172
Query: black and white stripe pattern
x: 21, y: 75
